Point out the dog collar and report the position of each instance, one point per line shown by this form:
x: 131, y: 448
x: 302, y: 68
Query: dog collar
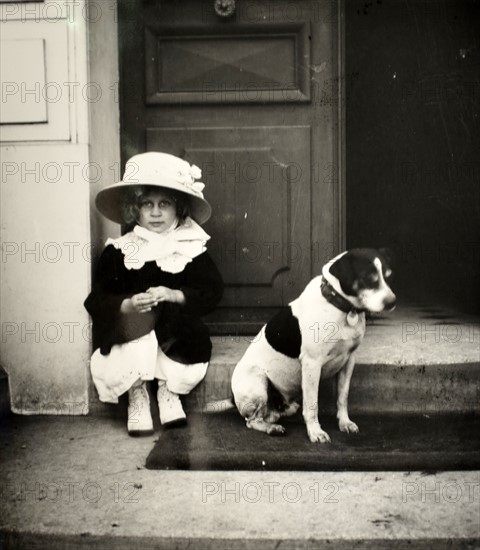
x: 336, y: 299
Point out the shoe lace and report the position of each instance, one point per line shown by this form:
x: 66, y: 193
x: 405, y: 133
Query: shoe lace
x: 166, y: 394
x: 140, y: 396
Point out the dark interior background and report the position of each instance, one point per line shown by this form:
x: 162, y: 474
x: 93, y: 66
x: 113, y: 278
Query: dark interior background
x: 413, y: 142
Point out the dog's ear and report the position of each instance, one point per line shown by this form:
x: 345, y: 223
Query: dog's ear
x: 388, y: 254
x: 344, y: 271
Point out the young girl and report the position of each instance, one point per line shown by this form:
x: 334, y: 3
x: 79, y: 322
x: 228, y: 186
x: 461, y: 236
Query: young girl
x: 150, y: 289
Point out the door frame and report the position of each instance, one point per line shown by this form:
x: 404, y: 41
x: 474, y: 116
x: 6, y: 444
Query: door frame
x: 341, y: 125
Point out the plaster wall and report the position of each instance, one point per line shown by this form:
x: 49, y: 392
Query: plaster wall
x: 45, y: 277
x: 47, y: 173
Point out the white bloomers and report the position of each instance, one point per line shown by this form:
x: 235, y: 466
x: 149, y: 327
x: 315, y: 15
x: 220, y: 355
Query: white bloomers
x: 115, y: 373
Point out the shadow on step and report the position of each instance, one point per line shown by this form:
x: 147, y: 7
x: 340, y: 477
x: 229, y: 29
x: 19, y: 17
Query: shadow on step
x: 385, y: 443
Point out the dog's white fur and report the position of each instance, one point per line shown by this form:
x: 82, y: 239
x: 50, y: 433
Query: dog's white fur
x: 328, y: 342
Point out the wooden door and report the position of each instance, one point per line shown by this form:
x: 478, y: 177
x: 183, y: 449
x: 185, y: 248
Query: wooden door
x: 254, y: 101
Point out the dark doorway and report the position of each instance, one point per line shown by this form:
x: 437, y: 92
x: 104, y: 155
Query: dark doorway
x: 413, y: 138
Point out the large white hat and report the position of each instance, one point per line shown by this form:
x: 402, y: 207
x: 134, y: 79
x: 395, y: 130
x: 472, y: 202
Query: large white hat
x: 160, y: 170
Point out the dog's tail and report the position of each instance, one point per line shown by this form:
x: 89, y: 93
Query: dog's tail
x: 219, y: 406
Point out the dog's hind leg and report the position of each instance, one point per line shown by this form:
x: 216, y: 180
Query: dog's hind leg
x: 264, y: 421
x: 250, y: 392
x: 291, y: 409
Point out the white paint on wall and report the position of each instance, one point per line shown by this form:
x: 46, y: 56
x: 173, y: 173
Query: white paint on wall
x: 45, y: 273
x: 46, y: 183
x: 46, y: 87
x: 22, y: 81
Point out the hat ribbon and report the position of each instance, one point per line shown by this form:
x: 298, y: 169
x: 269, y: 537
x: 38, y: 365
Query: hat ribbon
x: 187, y: 178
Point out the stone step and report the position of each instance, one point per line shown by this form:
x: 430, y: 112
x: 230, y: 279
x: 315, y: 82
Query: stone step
x: 4, y: 393
x: 381, y: 387
x: 80, y: 482
x: 419, y: 359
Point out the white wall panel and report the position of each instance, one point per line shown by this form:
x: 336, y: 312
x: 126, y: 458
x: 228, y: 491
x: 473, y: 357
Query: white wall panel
x: 40, y: 85
x: 22, y: 78
x: 46, y: 175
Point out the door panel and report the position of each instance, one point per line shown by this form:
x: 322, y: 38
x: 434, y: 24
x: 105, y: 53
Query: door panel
x: 253, y: 100
x: 235, y: 64
x: 260, y: 196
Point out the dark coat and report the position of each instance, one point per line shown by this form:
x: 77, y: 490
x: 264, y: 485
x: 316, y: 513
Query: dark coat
x: 179, y: 330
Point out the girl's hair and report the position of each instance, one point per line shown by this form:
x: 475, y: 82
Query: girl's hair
x: 134, y: 195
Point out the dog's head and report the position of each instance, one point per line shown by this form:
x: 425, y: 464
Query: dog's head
x: 363, y: 275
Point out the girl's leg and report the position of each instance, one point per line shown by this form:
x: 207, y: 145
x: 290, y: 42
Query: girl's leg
x: 175, y: 379
x: 139, y: 422
x: 169, y: 406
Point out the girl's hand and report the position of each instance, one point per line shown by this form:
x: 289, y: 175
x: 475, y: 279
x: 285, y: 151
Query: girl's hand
x: 138, y: 303
x: 165, y: 294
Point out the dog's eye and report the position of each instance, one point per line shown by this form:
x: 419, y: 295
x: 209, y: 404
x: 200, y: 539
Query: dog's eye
x: 370, y: 281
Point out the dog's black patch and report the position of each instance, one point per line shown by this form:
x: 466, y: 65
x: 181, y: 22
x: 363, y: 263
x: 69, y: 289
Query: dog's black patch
x: 275, y: 399
x: 356, y: 271
x: 283, y: 333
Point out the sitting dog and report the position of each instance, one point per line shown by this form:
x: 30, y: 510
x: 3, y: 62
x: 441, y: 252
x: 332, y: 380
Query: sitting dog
x: 315, y: 336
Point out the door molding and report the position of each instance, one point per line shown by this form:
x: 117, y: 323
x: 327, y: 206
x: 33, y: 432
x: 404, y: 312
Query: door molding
x: 341, y: 127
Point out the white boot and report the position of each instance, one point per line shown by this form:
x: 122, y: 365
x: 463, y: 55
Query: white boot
x: 139, y: 417
x: 169, y: 406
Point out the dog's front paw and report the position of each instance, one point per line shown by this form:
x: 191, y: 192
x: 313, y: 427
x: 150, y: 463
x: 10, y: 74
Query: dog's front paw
x: 348, y: 426
x: 317, y: 435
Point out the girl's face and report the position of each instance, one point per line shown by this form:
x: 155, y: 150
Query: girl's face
x: 157, y: 211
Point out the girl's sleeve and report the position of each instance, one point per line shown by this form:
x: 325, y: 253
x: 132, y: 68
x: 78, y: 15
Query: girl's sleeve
x: 109, y: 289
x: 202, y: 286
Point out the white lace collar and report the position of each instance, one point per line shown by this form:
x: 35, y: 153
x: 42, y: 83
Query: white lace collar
x: 171, y: 250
